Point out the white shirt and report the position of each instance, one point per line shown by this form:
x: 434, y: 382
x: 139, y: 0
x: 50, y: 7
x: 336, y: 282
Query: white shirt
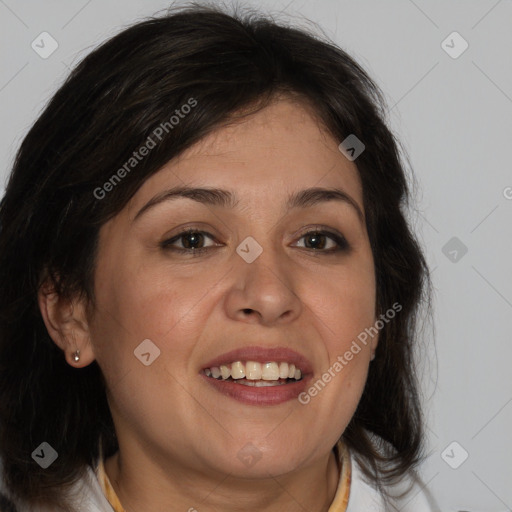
x: 363, y: 496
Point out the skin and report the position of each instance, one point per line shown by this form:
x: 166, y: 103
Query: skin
x: 178, y: 437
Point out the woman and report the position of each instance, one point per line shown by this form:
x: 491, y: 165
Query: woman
x: 208, y: 287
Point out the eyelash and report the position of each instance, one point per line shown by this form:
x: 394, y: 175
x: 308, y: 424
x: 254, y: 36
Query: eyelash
x: 342, y: 244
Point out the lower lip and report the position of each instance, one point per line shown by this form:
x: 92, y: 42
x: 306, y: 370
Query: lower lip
x: 268, y: 395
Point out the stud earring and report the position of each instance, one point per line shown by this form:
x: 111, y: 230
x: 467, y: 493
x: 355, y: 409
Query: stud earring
x: 372, y: 357
x: 76, y: 356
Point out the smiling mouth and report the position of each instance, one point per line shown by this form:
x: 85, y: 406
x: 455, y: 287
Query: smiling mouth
x: 253, y: 373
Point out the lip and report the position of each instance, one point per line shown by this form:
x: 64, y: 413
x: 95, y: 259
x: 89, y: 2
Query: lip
x: 263, y: 355
x: 259, y: 396
x: 271, y: 395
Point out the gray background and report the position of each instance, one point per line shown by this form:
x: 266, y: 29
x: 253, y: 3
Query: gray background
x: 454, y: 117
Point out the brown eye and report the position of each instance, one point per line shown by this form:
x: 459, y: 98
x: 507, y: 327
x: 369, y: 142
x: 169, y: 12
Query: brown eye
x: 318, y: 240
x: 191, y: 241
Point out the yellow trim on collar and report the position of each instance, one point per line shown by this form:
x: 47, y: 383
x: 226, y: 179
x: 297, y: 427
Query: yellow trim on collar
x: 339, y: 503
x: 107, y: 488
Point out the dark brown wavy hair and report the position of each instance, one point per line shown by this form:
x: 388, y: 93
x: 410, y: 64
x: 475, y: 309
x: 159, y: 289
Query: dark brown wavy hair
x: 50, y: 218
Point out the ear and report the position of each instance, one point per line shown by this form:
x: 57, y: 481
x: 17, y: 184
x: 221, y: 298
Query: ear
x: 67, y: 324
x: 373, y: 350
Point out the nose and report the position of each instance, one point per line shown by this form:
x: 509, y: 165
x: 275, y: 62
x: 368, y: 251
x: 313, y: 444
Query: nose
x: 264, y: 291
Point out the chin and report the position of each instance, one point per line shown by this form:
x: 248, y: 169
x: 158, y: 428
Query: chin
x: 258, y: 466
x: 260, y: 459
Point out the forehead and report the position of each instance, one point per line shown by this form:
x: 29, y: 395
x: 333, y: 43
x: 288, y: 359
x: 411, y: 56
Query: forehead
x: 263, y: 156
x: 284, y: 127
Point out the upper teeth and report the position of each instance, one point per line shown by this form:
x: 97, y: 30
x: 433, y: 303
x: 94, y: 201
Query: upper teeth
x: 253, y: 370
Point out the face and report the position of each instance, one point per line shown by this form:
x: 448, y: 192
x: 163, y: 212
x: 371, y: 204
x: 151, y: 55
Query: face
x: 276, y: 281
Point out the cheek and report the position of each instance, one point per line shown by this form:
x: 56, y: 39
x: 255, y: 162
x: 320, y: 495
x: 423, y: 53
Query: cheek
x: 138, y: 302
x: 152, y: 301
x: 343, y: 307
x: 146, y: 305
x: 344, y: 303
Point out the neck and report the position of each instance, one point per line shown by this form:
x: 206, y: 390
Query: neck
x: 142, y: 487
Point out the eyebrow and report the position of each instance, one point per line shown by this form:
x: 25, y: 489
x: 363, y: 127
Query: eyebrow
x: 224, y: 198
